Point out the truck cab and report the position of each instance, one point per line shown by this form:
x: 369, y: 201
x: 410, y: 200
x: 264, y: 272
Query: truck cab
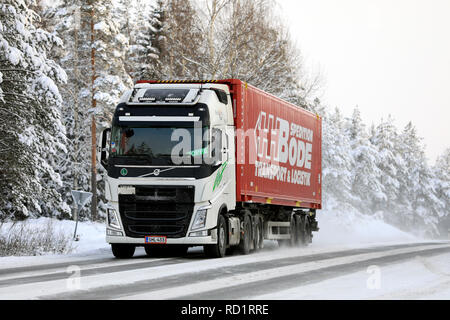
x: 170, y: 162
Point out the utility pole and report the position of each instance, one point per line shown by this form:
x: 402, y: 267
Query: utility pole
x: 93, y: 125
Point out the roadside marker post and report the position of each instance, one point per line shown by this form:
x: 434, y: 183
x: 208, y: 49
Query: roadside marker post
x: 80, y: 198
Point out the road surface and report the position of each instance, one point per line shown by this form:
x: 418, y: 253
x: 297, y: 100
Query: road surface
x: 394, y: 271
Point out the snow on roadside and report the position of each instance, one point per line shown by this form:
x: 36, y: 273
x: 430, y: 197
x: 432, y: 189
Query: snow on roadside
x: 346, y: 226
x: 427, y: 278
x: 91, y: 242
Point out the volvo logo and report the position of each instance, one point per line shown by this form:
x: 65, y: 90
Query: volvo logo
x: 156, y: 172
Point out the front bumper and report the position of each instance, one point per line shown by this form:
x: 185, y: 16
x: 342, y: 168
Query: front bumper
x: 191, y: 241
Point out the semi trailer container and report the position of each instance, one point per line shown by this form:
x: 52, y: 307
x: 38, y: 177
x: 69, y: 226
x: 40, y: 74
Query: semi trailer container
x: 219, y: 164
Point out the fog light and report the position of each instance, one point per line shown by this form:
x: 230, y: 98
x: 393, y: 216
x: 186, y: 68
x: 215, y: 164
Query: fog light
x: 114, y: 233
x: 203, y: 233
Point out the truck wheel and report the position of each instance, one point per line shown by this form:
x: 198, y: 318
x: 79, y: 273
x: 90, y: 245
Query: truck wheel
x: 246, y: 238
x: 218, y: 250
x: 122, y: 251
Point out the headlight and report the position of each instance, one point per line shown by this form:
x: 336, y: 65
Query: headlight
x: 113, y: 221
x: 200, y: 218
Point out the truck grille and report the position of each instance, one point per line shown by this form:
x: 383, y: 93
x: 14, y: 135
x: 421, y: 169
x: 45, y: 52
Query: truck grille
x: 157, y: 210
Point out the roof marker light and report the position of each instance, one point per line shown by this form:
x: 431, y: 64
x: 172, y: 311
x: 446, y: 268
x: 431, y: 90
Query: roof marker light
x: 146, y: 99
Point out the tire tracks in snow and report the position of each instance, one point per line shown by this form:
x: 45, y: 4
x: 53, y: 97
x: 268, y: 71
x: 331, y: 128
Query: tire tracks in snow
x: 184, y: 281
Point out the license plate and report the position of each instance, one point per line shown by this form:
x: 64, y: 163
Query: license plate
x: 156, y: 239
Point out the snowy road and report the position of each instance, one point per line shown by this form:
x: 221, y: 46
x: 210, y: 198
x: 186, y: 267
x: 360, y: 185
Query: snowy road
x: 273, y: 273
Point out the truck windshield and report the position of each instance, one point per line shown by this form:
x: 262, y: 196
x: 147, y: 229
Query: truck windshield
x: 158, y: 145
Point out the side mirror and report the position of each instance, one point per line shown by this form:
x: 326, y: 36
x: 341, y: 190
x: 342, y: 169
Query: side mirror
x: 102, y: 150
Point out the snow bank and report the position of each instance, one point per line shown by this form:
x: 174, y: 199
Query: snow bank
x: 91, y: 234
x: 346, y: 226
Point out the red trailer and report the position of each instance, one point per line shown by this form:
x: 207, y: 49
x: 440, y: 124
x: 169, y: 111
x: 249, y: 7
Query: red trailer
x: 278, y: 149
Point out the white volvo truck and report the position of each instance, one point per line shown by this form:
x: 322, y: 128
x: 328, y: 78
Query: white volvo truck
x: 209, y: 163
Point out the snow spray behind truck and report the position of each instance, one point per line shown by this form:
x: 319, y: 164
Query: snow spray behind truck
x: 217, y: 164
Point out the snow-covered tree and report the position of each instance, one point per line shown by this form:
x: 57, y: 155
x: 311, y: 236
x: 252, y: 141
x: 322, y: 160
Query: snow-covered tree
x: 391, y: 164
x: 142, y: 26
x: 178, y: 40
x: 71, y: 21
x: 366, y: 186
x: 246, y: 40
x: 441, y: 184
x: 110, y: 78
x: 94, y: 57
x: 337, y: 160
x: 32, y: 136
x: 416, y: 192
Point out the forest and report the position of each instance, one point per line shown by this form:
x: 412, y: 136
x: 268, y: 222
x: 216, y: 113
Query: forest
x: 64, y: 66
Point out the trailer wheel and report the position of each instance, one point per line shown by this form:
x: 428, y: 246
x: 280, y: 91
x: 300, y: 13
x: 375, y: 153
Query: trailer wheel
x: 218, y: 250
x: 307, y: 238
x: 294, y: 231
x: 246, y: 237
x: 300, y: 229
x: 259, y: 236
x: 261, y: 233
x: 304, y: 229
x: 122, y: 251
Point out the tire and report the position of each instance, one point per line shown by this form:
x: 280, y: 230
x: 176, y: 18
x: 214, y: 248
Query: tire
x: 304, y: 229
x: 261, y: 243
x: 259, y: 235
x: 299, y: 225
x: 307, y: 239
x: 218, y: 250
x: 165, y: 250
x: 122, y: 251
x: 294, y: 231
x: 246, y: 236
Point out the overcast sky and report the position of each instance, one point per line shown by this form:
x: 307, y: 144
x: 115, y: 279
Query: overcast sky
x: 386, y: 56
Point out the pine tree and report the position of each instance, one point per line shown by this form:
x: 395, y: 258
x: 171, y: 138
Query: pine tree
x: 110, y: 78
x: 32, y: 136
x: 71, y: 21
x: 441, y: 183
x: 385, y: 139
x: 366, y: 186
x: 179, y: 40
x: 143, y: 28
x: 416, y: 192
x: 94, y: 57
x: 336, y: 159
